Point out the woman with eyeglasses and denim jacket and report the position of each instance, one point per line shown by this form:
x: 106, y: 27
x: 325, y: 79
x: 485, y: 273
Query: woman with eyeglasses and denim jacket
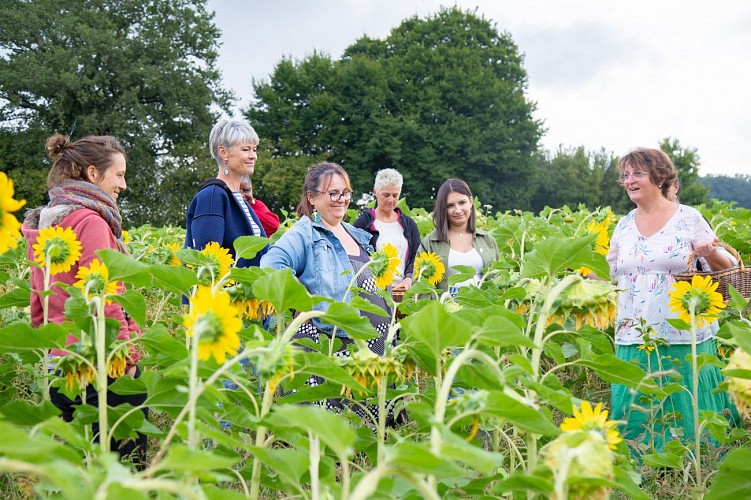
x: 325, y: 253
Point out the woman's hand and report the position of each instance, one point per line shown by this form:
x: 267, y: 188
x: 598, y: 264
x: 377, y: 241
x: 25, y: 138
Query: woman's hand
x: 716, y: 260
x: 404, y: 285
x: 706, y: 249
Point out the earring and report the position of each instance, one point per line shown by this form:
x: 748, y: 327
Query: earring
x: 316, y: 216
x: 226, y: 170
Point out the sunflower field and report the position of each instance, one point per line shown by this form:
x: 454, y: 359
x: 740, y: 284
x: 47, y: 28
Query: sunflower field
x: 500, y: 391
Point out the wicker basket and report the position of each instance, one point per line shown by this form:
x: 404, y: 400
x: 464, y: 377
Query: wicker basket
x: 739, y: 276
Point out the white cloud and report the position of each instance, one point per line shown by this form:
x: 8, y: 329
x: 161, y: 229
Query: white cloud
x: 604, y: 74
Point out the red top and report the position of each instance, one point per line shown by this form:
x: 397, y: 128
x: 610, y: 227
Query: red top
x: 269, y: 220
x: 94, y: 234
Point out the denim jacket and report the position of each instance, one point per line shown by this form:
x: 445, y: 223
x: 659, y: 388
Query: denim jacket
x: 318, y: 260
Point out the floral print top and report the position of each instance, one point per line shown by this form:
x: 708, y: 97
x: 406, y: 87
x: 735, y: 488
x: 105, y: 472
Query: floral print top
x: 644, y: 268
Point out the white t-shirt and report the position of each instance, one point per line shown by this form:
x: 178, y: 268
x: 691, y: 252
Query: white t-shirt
x: 472, y: 259
x: 392, y: 232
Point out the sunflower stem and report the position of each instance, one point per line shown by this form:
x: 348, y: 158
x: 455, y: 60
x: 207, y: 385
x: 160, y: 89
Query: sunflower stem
x: 193, y: 384
x: 695, y: 399
x: 100, y: 339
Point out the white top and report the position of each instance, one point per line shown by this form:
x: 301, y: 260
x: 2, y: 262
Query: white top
x: 244, y: 204
x: 644, y: 268
x: 472, y: 259
x: 392, y: 232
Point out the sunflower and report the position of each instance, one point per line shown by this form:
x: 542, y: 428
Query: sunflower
x: 602, y: 242
x: 173, y: 260
x: 220, y: 261
x: 126, y: 237
x: 590, y: 302
x: 9, y: 225
x: 76, y: 371
x: 646, y: 348
x: 702, y: 294
x: 94, y: 280
x: 739, y: 387
x: 587, y: 419
x: 429, y: 266
x: 250, y: 307
x: 369, y: 369
x: 216, y: 322
x: 383, y: 264
x: 59, y: 246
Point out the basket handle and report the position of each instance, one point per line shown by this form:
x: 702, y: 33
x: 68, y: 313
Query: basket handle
x: 727, y: 247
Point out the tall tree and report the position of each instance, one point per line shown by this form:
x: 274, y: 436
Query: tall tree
x: 141, y: 70
x: 439, y: 97
x: 574, y: 176
x: 687, y: 161
x: 736, y: 188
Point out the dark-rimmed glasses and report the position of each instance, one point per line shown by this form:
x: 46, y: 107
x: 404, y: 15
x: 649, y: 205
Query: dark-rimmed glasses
x: 338, y: 195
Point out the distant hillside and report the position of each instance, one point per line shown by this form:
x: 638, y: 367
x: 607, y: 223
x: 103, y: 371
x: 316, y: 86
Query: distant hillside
x: 723, y: 187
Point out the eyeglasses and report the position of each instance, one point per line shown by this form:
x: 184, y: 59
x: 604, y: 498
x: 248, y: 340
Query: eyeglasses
x: 633, y: 175
x: 247, y: 191
x: 338, y: 195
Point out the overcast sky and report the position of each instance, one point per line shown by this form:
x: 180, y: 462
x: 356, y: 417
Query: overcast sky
x: 604, y: 74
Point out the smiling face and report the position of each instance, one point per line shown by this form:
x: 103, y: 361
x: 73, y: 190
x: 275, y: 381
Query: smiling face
x: 332, y: 212
x: 240, y: 158
x: 458, y: 209
x: 639, y: 186
x: 387, y: 197
x: 112, y: 181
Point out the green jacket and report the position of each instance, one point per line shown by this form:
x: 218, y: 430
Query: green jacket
x: 481, y: 240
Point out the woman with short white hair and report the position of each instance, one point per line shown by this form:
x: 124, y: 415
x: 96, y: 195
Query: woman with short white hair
x: 388, y: 224
x: 218, y: 212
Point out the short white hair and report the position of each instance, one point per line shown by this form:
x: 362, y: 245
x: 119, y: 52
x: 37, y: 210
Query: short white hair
x: 388, y: 177
x: 230, y: 131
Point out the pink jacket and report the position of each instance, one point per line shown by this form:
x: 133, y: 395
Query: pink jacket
x: 94, y: 234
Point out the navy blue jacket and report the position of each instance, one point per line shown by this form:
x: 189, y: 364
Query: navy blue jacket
x: 411, y: 233
x: 215, y: 215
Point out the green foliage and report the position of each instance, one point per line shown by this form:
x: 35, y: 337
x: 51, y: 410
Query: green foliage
x: 439, y: 97
x: 723, y: 187
x: 574, y: 176
x: 144, y: 72
x: 686, y: 160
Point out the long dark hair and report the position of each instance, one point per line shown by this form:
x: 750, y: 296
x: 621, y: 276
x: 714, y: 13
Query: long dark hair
x: 440, y: 219
x: 318, y: 176
x: 70, y: 160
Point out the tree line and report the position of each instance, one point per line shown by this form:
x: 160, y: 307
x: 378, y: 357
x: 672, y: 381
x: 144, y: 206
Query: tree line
x: 442, y: 96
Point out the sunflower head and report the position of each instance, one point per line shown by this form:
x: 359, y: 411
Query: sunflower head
x: 94, y: 281
x: 587, y: 419
x: 580, y: 454
x: 591, y: 302
x: 740, y: 387
x: 250, y: 307
x: 9, y: 225
x: 118, y: 361
x: 428, y: 266
x: 383, y: 264
x: 369, y: 369
x: 57, y: 246
x: 215, y: 321
x: 701, y: 296
x: 218, y: 265
x: 78, y: 373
